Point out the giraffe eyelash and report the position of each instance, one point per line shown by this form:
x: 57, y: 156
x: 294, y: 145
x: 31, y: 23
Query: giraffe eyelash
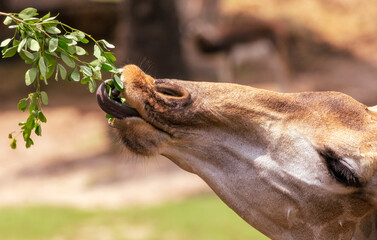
x: 340, y: 171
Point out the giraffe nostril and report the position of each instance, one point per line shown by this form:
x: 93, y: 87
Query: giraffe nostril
x: 171, y: 92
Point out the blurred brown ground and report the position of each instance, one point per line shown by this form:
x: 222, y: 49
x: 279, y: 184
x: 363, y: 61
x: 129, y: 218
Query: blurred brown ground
x: 78, y: 162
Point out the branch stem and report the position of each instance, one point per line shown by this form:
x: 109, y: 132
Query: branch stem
x: 11, y: 15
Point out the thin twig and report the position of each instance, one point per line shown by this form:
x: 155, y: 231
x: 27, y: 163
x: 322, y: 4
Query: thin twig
x: 17, y: 19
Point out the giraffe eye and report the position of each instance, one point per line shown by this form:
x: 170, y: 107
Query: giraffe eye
x: 339, y: 169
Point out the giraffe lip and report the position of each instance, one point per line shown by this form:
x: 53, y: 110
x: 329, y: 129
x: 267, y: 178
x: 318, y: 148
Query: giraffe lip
x: 112, y: 107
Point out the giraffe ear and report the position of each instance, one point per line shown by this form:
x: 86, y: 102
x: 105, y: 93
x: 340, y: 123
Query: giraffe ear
x: 373, y: 112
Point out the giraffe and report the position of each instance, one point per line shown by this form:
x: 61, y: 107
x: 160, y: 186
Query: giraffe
x: 292, y: 165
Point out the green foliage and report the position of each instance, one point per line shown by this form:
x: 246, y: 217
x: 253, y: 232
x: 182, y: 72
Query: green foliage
x: 47, y: 45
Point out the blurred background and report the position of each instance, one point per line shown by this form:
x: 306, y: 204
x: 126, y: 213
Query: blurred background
x: 76, y: 183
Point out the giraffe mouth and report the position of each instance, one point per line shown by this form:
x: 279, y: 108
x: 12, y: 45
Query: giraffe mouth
x: 113, y: 107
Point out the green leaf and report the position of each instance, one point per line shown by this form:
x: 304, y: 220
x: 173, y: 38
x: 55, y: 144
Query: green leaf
x: 57, y: 74
x: 33, y: 97
x: 27, y: 132
x: 35, y: 114
x: 78, y: 35
x: 24, y: 57
x: 10, y: 52
x: 71, y: 51
x: 13, y: 144
x: 38, y: 130
x: 107, y: 67
x: 72, y: 43
x: 110, y: 56
x: 118, y: 70
x: 5, y: 42
x: 29, y: 142
x: 52, y: 54
x: 80, y: 51
x: 53, y: 44
x: 30, y: 76
x: 102, y: 60
x: 106, y: 43
x: 86, y: 70
x: 15, y: 43
x: 21, y: 45
x: 28, y: 54
x: 53, y: 30
x: 118, y: 83
x: 63, y: 44
x: 110, y: 121
x: 42, y: 117
x: 42, y: 67
x: 33, y: 20
x: 50, y: 22
x: 10, y: 135
x: 75, y: 75
x: 46, y: 16
x: 4, y: 49
x: 95, y: 63
x: 84, y: 40
x: 92, y: 85
x: 30, y: 122
x: 97, y: 73
x: 62, y: 71
x: 97, y: 51
x: 50, y: 71
x: 68, y: 60
x: 69, y: 37
x: 109, y: 87
x: 85, y: 80
x: 28, y: 57
x: 49, y: 60
x: 8, y: 20
x: 33, y: 108
x: 22, y: 104
x: 27, y: 13
x: 33, y: 44
x: 44, y: 97
x: 49, y: 19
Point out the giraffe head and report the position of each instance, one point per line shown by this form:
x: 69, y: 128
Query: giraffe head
x: 299, y: 166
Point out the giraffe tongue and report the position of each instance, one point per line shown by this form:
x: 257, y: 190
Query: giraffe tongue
x: 112, y: 107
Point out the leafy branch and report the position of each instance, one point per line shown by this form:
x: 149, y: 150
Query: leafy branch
x: 53, y: 49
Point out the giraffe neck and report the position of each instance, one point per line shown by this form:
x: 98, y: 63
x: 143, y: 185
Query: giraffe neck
x: 367, y: 228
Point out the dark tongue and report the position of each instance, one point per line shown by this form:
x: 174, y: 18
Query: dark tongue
x: 112, y: 107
